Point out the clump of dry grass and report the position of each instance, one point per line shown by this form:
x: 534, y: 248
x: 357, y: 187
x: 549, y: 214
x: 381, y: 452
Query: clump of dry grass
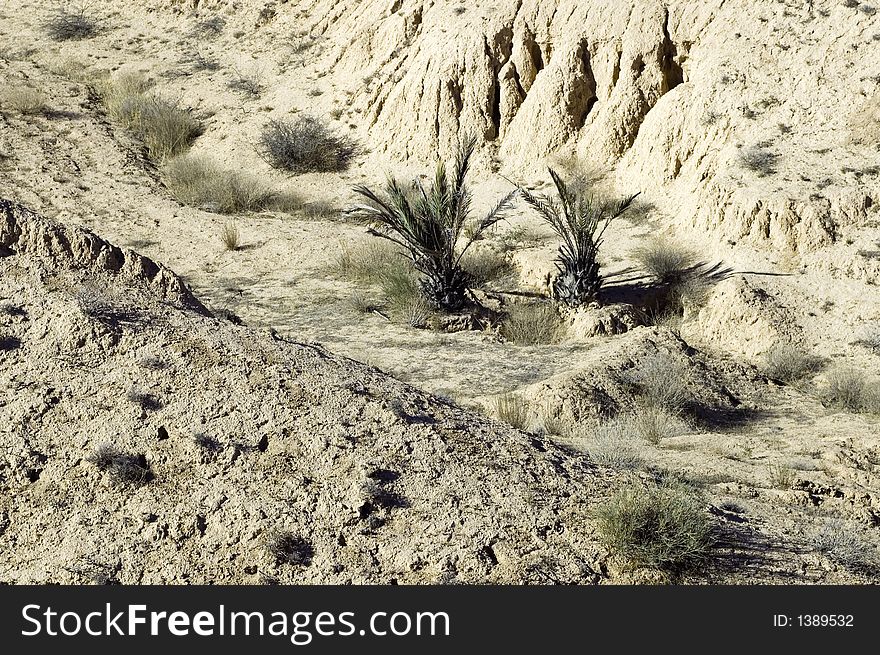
x: 248, y: 81
x: 661, y: 381
x: 789, y: 363
x: 305, y: 144
x: 230, y: 236
x: 486, y: 266
x: 781, y: 476
x: 611, y: 443
x: 842, y: 541
x: 662, y: 526
x: 123, y: 467
x: 532, y: 324
x: 664, y: 260
x: 23, y: 100
x: 759, y: 160
x: 511, y: 409
x: 72, y: 24
x: 165, y: 128
x: 850, y: 389
x: 198, y: 182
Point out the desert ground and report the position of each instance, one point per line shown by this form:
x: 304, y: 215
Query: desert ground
x: 212, y: 371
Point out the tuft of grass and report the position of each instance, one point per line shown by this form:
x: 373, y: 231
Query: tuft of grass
x: 661, y: 526
x: 24, y: 100
x: 661, y: 381
x: 165, y: 128
x: 664, y: 260
x: 655, y: 423
x: 72, y: 25
x: 485, y: 266
x: 849, y: 389
x: 289, y: 548
x: 612, y: 444
x: 781, y: 476
x: 248, y: 81
x: 841, y: 541
x: 230, y: 236
x: 366, y: 262
x: 789, y: 363
x: 511, y: 409
x: 532, y: 324
x: 305, y: 144
x: 198, y: 182
x: 123, y: 467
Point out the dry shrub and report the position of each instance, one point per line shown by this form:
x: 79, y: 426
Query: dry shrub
x: 196, y: 181
x: 664, y: 260
x: 24, y: 100
x: 72, y: 25
x: 850, y: 389
x: 305, y: 144
x: 165, y: 129
x: 532, y: 324
x: 789, y: 363
x: 511, y: 409
x: 230, y: 236
x: 661, y: 526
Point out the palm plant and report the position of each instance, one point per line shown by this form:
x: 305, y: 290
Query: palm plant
x: 580, y: 220
x: 428, y: 223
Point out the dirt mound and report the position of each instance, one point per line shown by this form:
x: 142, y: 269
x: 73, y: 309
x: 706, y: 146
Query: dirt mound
x: 225, y: 437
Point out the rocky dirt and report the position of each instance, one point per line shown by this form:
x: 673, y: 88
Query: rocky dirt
x: 388, y: 470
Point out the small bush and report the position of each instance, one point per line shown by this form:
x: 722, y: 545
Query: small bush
x: 661, y: 526
x: 24, y: 100
x: 486, y: 266
x: 664, y: 260
x: 288, y: 548
x: 840, y: 541
x: 366, y: 263
x: 74, y: 25
x: 789, y: 363
x: 230, y: 236
x: 654, y: 423
x: 165, y: 129
x: 781, y: 476
x: 849, y: 389
x: 123, y: 467
x: 198, y: 182
x: 758, y: 159
x: 249, y: 82
x: 305, y: 144
x: 612, y: 444
x: 531, y: 324
x: 511, y: 409
x: 661, y: 381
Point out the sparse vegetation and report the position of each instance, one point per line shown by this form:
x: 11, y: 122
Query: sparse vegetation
x: 486, y: 266
x: 511, y: 409
x: 23, y: 100
x: 661, y: 381
x: 123, y: 467
x: 841, y: 541
x: 664, y: 260
x: 781, y: 476
x: 248, y: 81
x: 428, y: 223
x: 530, y: 324
x: 661, y: 526
x: 789, y: 363
x: 198, y: 182
x: 580, y: 219
x: 146, y: 401
x: 656, y: 423
x: 165, y: 129
x: 849, y: 389
x: 611, y: 444
x: 72, y: 24
x: 230, y: 236
x: 305, y: 144
x: 288, y: 548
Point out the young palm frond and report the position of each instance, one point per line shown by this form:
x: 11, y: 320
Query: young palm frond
x: 580, y: 220
x: 428, y: 222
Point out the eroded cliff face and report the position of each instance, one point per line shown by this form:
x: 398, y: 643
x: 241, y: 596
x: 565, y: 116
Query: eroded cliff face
x: 754, y: 122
